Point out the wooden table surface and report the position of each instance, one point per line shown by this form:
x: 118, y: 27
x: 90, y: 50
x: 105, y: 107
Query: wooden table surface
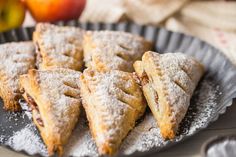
x: 226, y: 124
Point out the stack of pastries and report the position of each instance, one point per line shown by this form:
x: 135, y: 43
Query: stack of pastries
x: 111, y: 74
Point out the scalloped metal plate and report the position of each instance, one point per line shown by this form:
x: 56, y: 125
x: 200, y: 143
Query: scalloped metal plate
x: 217, y: 65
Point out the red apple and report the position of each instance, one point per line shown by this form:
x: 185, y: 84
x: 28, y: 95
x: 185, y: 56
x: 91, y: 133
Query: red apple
x: 12, y: 14
x: 54, y: 10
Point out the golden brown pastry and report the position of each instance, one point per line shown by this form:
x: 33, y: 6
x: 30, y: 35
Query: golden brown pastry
x: 113, y: 101
x: 53, y: 96
x: 15, y: 59
x: 58, y: 46
x: 168, y: 81
x: 107, y: 50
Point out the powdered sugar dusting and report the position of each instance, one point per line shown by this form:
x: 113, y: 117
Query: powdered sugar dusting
x: 205, y: 103
x: 20, y: 133
x: 146, y: 135
x: 114, y: 92
x: 120, y: 50
x: 25, y: 108
x: 27, y: 140
x: 63, y: 48
x: 81, y: 142
x: 143, y: 137
x: 16, y: 59
x: 179, y: 75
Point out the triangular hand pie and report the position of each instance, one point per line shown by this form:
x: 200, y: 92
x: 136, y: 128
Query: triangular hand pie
x: 168, y: 81
x: 58, y: 46
x: 113, y: 101
x: 15, y: 59
x: 110, y: 50
x: 53, y: 96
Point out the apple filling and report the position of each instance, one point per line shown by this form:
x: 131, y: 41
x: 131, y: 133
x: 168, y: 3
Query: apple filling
x: 156, y: 98
x: 34, y: 107
x: 38, y: 55
x: 144, y: 79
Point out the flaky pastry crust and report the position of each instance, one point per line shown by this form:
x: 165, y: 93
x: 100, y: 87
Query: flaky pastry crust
x: 113, y: 101
x: 168, y: 82
x: 15, y: 59
x: 54, y: 97
x: 113, y: 50
x: 58, y: 46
